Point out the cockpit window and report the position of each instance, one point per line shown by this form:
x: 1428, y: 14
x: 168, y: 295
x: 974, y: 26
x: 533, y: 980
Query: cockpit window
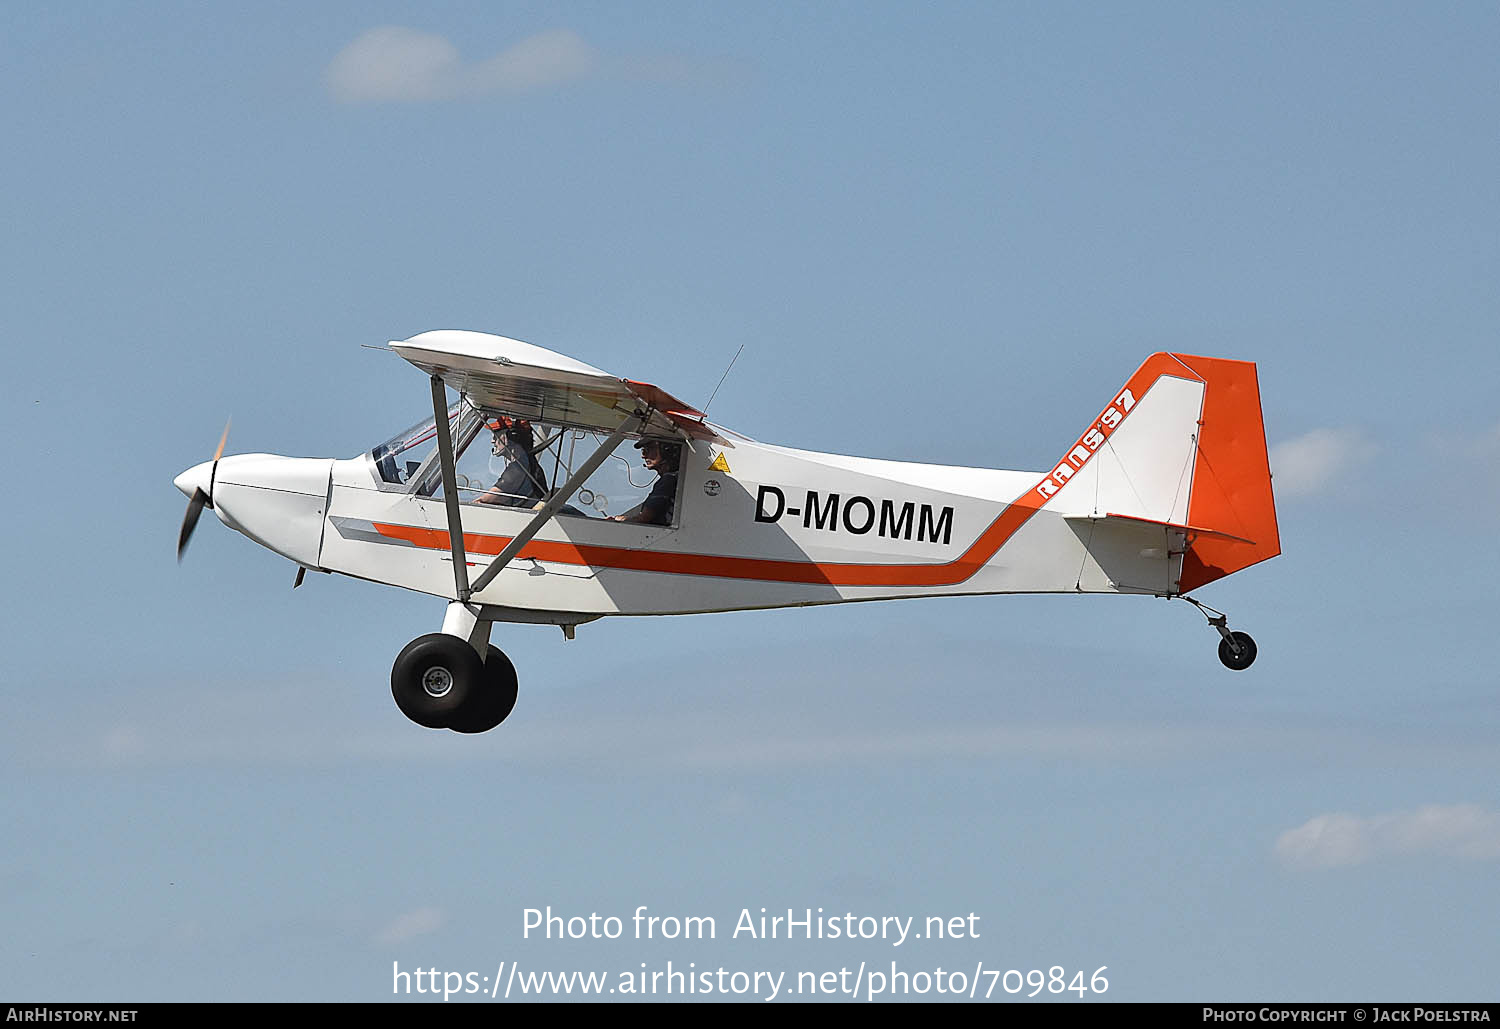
x: 516, y: 463
x: 511, y: 475
x: 410, y: 458
x: 637, y: 483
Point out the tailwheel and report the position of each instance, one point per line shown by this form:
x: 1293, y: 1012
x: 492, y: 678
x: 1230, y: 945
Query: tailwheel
x: 492, y: 701
x: 1237, y: 651
x: 434, y: 677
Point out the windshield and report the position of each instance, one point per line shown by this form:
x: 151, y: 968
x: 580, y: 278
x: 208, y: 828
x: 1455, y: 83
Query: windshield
x: 410, y: 457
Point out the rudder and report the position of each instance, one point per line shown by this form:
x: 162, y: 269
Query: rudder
x: 1231, y: 491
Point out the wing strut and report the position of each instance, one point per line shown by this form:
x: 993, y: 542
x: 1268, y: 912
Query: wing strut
x: 558, y: 499
x: 450, y: 490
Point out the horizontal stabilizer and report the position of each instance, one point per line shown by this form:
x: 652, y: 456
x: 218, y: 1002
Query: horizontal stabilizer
x: 1191, y: 531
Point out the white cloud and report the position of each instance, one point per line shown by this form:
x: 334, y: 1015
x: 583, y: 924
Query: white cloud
x: 1308, y: 463
x: 1335, y: 840
x: 392, y: 63
x: 412, y: 924
x: 546, y: 59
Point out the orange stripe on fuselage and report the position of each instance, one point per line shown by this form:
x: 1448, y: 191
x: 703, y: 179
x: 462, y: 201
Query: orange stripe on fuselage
x: 962, y: 568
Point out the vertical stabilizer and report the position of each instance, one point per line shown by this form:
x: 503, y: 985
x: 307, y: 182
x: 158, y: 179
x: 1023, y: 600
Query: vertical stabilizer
x: 1181, y: 447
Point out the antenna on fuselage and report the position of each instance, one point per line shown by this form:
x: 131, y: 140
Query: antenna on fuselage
x: 715, y: 393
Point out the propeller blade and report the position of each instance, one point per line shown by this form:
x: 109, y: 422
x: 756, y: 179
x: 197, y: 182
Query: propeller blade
x: 200, y: 498
x: 190, y: 520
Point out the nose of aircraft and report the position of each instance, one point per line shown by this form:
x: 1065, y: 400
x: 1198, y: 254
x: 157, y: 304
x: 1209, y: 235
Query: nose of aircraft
x: 279, y: 502
x: 200, y: 476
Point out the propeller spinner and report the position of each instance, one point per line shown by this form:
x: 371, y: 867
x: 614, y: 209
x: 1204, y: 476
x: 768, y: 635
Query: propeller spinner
x: 198, y: 483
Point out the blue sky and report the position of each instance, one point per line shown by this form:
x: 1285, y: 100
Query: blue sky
x: 941, y: 234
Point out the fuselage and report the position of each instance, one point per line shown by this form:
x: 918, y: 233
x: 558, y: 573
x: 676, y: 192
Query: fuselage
x: 780, y: 527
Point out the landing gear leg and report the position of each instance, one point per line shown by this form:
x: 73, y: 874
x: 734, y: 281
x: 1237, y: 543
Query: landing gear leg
x: 1236, y: 649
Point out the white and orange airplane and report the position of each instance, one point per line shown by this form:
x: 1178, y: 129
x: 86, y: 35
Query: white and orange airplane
x: 1166, y: 490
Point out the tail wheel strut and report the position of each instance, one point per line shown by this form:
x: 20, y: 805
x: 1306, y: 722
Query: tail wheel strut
x: 1236, y: 649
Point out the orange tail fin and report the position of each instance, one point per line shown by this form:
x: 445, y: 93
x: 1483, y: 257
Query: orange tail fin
x: 1231, y: 476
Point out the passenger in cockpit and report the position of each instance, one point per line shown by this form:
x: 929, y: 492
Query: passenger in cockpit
x: 663, y: 459
x: 523, y: 482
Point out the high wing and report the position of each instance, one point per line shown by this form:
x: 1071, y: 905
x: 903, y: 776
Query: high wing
x: 532, y: 382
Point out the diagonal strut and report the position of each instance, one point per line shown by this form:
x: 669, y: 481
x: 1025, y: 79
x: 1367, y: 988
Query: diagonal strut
x: 558, y: 499
x: 450, y: 490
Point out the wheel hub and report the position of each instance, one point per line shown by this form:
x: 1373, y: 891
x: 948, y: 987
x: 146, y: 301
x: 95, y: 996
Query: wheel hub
x: 437, y: 681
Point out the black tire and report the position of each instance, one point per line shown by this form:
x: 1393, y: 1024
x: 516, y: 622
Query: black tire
x: 1246, y: 651
x: 493, y: 701
x: 431, y: 663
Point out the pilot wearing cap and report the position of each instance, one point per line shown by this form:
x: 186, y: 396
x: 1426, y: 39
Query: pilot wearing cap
x: 662, y: 458
x: 522, y: 483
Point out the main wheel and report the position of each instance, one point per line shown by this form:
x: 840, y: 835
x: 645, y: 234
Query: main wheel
x: 1239, y: 656
x: 433, y: 677
x: 493, y: 700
